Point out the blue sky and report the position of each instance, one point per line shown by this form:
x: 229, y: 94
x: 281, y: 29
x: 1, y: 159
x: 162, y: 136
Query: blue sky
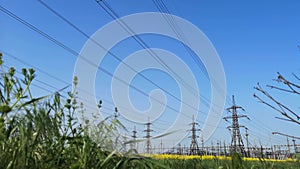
x: 254, y: 39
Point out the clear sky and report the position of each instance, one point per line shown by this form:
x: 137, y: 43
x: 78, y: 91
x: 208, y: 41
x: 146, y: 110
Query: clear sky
x: 254, y: 40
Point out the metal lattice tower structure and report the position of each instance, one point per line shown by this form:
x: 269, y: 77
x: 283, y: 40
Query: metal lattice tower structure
x: 237, y: 145
x: 194, y: 148
x: 148, y: 137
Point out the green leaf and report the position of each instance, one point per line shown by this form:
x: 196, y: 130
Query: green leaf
x: 107, y: 159
x: 5, y: 108
x: 33, y: 101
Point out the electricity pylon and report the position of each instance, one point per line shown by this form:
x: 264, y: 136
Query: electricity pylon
x: 148, y: 137
x: 237, y: 145
x: 194, y: 148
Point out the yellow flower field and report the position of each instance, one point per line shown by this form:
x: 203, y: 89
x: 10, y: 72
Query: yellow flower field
x: 210, y: 157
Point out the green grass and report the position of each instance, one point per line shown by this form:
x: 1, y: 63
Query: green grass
x: 44, y: 132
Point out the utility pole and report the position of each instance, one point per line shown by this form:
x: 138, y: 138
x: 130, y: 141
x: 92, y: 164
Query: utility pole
x: 133, y: 143
x: 194, y: 149
x: 148, y: 137
x: 237, y: 144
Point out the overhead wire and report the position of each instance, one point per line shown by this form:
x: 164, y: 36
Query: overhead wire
x: 161, y: 6
x: 70, y: 50
x: 73, y: 52
x: 46, y: 36
x: 109, y: 10
x: 112, y: 54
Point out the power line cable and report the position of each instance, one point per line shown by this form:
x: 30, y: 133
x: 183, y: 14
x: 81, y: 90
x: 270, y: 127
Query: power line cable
x: 109, y: 10
x: 115, y: 56
x: 160, y: 5
x: 74, y: 53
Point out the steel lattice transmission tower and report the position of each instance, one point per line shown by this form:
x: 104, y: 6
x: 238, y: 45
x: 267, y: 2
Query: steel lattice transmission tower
x: 148, y: 137
x: 237, y: 145
x: 194, y: 148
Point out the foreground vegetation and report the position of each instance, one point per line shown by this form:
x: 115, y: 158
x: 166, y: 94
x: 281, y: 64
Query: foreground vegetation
x: 43, y: 132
